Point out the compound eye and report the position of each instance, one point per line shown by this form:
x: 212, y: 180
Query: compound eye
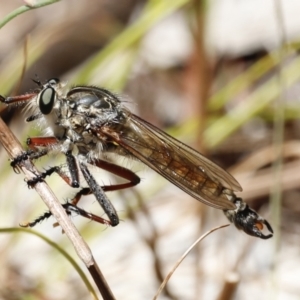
x: 46, y: 100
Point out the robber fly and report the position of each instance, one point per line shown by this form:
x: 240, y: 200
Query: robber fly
x: 85, y: 122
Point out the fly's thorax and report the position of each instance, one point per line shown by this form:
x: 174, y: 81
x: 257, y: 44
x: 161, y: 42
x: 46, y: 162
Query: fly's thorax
x: 77, y: 118
x: 95, y: 104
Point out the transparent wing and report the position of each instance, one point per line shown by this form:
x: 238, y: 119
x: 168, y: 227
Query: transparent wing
x: 177, y: 162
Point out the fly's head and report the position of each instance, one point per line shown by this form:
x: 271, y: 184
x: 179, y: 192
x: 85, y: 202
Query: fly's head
x: 48, y: 95
x: 47, y: 106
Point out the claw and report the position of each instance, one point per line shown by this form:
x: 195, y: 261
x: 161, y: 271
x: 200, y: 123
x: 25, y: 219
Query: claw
x: 248, y: 220
x: 17, y: 160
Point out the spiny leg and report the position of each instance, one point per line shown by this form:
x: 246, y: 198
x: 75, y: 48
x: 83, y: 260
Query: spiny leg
x: 110, y: 167
x: 17, y: 99
x: 100, y: 195
x: 127, y: 174
x: 71, y: 179
x: 41, y: 176
x: 41, y: 141
x: 119, y: 171
x: 73, y: 170
x: 103, y: 200
x: 34, y: 152
x: 69, y: 208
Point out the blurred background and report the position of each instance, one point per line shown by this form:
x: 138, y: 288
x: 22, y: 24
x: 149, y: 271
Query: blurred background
x: 223, y: 77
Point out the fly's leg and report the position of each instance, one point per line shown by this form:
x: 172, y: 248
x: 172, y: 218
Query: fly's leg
x: 16, y: 161
x: 69, y: 208
x: 37, y: 220
x: 132, y: 178
x: 73, y: 169
x: 40, y: 177
x: 17, y: 99
x: 34, y: 152
x: 29, y: 154
x: 83, y: 213
x: 41, y: 141
x: 72, y: 177
x: 100, y: 195
x: 99, y: 191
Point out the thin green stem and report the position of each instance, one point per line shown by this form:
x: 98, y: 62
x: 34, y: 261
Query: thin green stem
x: 278, y: 140
x: 60, y: 250
x: 279, y: 118
x: 20, y: 10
